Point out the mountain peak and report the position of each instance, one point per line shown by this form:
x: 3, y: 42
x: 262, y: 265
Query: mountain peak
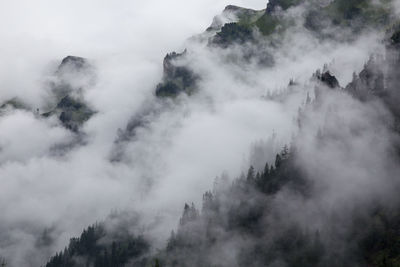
x: 232, y: 8
x: 74, y: 62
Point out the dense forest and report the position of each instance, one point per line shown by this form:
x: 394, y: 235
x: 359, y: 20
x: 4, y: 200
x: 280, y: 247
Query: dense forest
x: 260, y: 218
x: 327, y: 197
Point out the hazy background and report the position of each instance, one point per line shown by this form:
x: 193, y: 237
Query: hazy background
x: 173, y: 160
x: 127, y: 41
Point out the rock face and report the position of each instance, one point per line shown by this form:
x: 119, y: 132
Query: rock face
x: 73, y: 75
x: 72, y: 62
x: 330, y: 80
x: 71, y: 112
x: 176, y: 79
x: 233, y: 13
x: 233, y: 33
x: 245, y: 207
x: 238, y: 26
x: 327, y: 79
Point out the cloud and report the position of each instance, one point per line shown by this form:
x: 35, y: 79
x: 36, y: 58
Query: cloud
x: 18, y: 146
x: 173, y: 158
x: 126, y: 41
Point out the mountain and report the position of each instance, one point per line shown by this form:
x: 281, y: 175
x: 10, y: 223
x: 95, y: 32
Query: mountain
x: 72, y: 76
x: 242, y: 26
x: 328, y: 199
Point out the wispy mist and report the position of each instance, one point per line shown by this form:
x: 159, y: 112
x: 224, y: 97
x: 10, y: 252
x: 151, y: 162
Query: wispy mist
x: 56, y: 182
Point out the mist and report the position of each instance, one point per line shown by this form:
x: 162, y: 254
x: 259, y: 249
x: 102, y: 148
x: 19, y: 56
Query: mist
x: 56, y: 182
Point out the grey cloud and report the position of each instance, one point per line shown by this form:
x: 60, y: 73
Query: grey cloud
x: 176, y: 154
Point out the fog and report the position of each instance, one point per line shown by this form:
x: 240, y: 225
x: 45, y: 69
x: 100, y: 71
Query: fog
x: 175, y: 157
x: 127, y: 40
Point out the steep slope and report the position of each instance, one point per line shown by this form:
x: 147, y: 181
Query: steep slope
x: 327, y: 20
x: 95, y: 247
x: 326, y: 200
x: 66, y: 100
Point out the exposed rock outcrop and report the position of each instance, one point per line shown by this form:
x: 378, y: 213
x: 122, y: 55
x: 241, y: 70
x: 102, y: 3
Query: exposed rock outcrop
x: 66, y: 101
x: 177, y: 78
x: 73, y: 75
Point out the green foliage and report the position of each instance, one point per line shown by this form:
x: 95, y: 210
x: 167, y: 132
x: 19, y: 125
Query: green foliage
x: 355, y: 14
x: 168, y: 89
x: 157, y: 263
x: 368, y: 12
x: 241, y: 213
x: 381, y: 242
x: 285, y: 4
x: 267, y: 24
x: 92, y: 251
x: 245, y: 16
x: 190, y: 214
x: 233, y: 33
x: 241, y: 210
x: 177, y: 79
x: 73, y: 112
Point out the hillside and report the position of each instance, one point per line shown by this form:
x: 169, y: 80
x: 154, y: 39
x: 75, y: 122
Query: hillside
x: 330, y: 195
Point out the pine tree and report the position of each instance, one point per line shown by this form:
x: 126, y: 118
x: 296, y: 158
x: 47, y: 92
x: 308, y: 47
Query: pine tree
x: 250, y: 175
x: 278, y: 161
x: 266, y: 170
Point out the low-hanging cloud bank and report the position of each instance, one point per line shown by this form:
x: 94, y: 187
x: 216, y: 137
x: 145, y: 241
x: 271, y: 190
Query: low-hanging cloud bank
x: 172, y: 159
x: 126, y: 41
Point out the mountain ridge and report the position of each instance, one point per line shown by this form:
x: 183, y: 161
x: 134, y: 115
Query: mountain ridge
x: 247, y: 222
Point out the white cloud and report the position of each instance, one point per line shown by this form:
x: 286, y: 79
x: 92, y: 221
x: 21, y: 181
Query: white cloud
x: 176, y: 156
